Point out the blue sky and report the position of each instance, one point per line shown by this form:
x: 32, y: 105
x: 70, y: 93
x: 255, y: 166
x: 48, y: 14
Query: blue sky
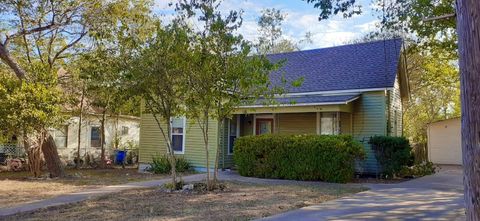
x: 301, y: 18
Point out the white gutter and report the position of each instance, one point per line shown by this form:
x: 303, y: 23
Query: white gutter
x: 301, y: 105
x: 339, y: 92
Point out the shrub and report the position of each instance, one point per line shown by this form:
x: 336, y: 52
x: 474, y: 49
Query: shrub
x: 161, y: 165
x: 132, y: 156
x: 418, y: 170
x: 299, y: 157
x: 392, y: 153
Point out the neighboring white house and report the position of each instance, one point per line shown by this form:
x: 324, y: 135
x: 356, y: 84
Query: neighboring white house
x: 445, y: 142
x: 125, y: 129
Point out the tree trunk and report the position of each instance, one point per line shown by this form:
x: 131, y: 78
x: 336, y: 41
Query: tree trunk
x: 79, y: 134
x: 468, y: 27
x: 207, y: 157
x: 171, y: 154
x: 168, y: 139
x: 34, y: 155
x: 50, y: 154
x: 102, y: 140
x: 217, y: 157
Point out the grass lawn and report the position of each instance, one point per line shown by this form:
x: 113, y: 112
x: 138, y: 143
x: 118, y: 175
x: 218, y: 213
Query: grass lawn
x: 19, y: 187
x: 240, y: 201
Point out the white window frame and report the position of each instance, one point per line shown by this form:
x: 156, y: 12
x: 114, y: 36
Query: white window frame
x: 336, y: 123
x: 127, y: 130
x: 90, y: 135
x: 228, y: 135
x: 183, y: 134
x: 54, y: 133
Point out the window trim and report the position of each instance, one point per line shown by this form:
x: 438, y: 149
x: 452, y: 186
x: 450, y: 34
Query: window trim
x: 335, y: 123
x: 54, y: 133
x: 228, y: 135
x: 183, y: 134
x: 127, y: 130
x: 100, y: 135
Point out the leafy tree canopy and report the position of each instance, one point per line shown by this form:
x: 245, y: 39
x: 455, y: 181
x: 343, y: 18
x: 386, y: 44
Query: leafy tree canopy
x: 405, y: 17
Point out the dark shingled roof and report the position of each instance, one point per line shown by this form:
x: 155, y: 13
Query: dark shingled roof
x: 310, y: 99
x: 357, y: 66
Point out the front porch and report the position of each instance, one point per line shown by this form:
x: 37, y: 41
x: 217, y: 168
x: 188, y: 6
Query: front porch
x: 321, y: 123
x: 287, y: 120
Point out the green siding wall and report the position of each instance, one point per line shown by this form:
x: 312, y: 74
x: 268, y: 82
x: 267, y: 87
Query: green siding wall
x: 226, y: 160
x: 152, y: 142
x: 370, y: 114
x: 345, y: 123
x: 369, y: 119
x: 395, y: 127
x: 296, y: 123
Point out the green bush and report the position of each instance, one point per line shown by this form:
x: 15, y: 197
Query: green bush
x: 299, y: 157
x: 392, y: 153
x: 418, y: 170
x: 160, y: 165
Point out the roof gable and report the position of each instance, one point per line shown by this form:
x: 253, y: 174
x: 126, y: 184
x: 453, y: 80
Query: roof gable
x: 357, y: 66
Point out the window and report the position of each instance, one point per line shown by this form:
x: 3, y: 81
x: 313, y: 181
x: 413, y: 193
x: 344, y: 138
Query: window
x: 328, y: 122
x: 233, y: 132
x: 264, y: 126
x: 124, y: 130
x: 95, y: 138
x: 60, y: 136
x: 178, y: 137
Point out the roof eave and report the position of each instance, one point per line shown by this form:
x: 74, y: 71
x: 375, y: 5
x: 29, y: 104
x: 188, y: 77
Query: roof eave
x: 302, y: 104
x: 339, y: 92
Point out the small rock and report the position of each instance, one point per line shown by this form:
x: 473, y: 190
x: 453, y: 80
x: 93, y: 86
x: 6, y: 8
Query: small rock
x: 188, y: 187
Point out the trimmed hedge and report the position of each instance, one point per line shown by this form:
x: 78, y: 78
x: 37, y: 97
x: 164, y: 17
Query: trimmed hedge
x: 328, y: 158
x: 392, y: 153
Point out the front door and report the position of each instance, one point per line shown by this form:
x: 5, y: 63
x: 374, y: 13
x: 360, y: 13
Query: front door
x: 264, y: 126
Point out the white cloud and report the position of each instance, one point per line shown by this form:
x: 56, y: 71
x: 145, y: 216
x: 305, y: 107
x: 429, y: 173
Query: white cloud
x: 368, y: 26
x: 249, y: 30
x: 163, y: 4
x: 298, y: 22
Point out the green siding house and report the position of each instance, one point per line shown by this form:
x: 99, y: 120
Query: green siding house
x: 352, y: 89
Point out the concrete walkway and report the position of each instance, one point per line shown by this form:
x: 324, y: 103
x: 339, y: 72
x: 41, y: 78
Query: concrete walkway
x: 87, y: 194
x: 436, y: 197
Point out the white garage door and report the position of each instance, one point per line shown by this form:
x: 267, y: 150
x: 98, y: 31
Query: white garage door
x: 444, y: 142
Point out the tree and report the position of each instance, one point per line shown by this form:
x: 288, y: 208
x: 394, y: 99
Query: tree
x: 468, y: 27
x: 158, y: 76
x: 47, y: 34
x: 270, y: 28
x: 28, y: 108
x: 347, y: 8
x: 223, y: 75
x: 408, y: 18
x: 271, y: 38
x: 102, y: 77
x: 435, y: 95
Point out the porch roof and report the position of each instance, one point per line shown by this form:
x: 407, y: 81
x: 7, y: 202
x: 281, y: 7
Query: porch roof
x: 305, y: 100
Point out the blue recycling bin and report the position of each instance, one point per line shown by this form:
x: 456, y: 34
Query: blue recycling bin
x: 120, y: 156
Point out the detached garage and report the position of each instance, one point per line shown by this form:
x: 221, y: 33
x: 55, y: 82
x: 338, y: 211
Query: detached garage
x: 445, y: 142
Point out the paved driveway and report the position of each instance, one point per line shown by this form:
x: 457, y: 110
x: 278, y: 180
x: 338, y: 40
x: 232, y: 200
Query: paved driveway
x: 436, y: 197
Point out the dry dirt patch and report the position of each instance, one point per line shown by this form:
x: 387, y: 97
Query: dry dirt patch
x: 18, y: 187
x: 240, y: 202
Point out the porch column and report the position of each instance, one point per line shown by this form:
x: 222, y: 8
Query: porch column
x: 318, y: 123
x: 254, y: 124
